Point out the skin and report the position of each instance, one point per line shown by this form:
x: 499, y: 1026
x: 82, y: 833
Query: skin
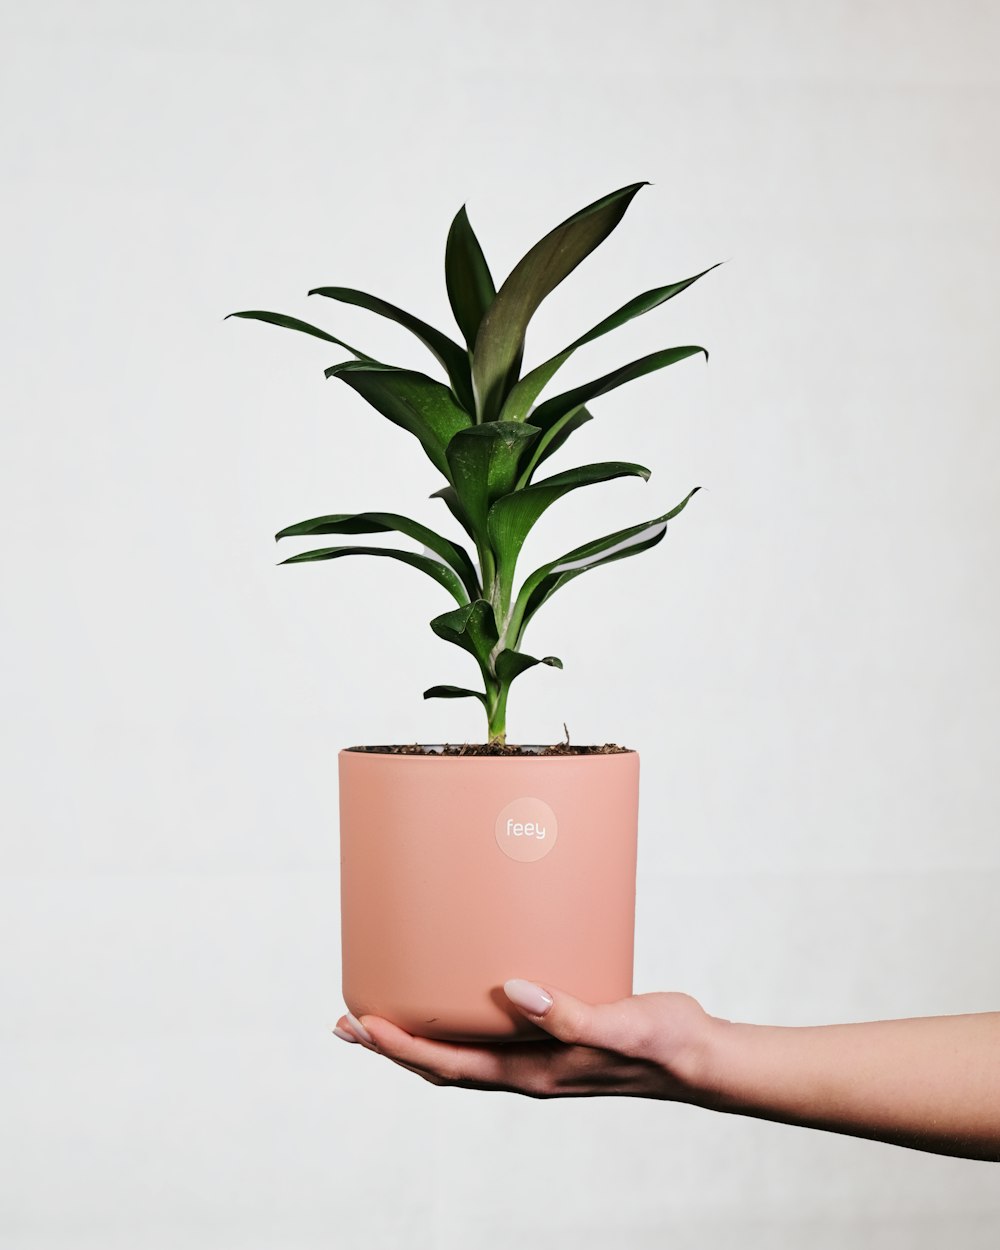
x: 929, y: 1083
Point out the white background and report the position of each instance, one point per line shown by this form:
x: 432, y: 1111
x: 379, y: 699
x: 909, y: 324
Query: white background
x: 808, y: 664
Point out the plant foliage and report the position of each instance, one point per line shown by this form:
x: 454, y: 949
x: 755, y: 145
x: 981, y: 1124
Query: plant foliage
x: 487, y: 430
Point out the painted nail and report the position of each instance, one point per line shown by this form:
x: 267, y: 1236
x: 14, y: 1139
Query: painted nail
x: 528, y: 996
x: 360, y: 1029
x: 344, y: 1035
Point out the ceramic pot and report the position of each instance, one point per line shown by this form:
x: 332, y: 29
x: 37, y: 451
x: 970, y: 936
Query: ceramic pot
x: 459, y: 872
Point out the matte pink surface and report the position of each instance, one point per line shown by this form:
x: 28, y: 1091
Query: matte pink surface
x: 435, y: 916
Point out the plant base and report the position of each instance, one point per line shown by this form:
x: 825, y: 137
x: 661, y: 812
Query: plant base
x: 492, y: 748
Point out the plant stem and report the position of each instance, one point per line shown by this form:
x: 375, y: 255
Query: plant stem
x: 496, y: 711
x: 487, y: 566
x: 497, y: 593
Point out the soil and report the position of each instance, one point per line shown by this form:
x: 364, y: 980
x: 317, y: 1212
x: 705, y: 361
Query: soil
x: 492, y: 748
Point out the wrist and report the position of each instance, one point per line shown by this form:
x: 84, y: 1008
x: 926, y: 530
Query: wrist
x: 690, y: 1047
x: 712, y: 1064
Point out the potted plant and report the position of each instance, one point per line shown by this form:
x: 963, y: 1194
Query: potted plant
x: 463, y: 864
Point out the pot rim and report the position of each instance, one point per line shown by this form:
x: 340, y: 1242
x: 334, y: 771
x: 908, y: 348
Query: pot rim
x: 525, y: 751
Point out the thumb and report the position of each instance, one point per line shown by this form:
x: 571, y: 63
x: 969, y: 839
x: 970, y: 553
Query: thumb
x: 567, y: 1018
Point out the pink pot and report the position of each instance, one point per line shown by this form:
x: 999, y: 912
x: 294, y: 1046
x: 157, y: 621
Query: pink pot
x: 459, y: 872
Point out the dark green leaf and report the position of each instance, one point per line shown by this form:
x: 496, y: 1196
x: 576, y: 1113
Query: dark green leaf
x: 547, y: 414
x: 454, y: 504
x: 500, y: 341
x: 524, y: 394
x: 551, y: 416
x: 545, y: 581
x: 380, y: 522
x: 454, y: 692
x: 447, y: 351
x: 555, y: 439
x: 483, y: 462
x: 293, y: 323
x: 427, y: 564
x: 470, y: 284
x: 417, y: 403
x: 513, y: 515
x: 511, y: 664
x: 472, y: 627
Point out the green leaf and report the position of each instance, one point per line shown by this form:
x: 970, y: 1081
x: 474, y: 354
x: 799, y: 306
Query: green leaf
x: 454, y: 504
x: 524, y: 394
x: 555, y: 439
x: 500, y: 341
x: 555, y: 413
x: 513, y: 515
x: 510, y: 664
x: 483, y: 462
x: 472, y: 627
x: 468, y: 277
x: 545, y: 581
x: 454, y: 692
x: 293, y: 323
x: 411, y: 400
x: 380, y: 522
x: 447, y: 351
x: 427, y: 564
x: 547, y: 414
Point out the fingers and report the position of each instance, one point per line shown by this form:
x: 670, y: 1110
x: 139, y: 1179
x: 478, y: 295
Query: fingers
x: 356, y: 1031
x: 444, y: 1063
x: 570, y: 1019
x: 609, y: 1026
x: 649, y: 1045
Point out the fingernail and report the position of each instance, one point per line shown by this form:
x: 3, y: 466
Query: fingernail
x: 344, y: 1035
x: 528, y: 996
x: 360, y: 1029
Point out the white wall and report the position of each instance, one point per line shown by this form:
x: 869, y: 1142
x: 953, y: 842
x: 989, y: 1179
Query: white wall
x: 808, y: 664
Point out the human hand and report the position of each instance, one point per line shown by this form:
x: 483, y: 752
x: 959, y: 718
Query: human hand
x: 930, y: 1083
x: 646, y: 1046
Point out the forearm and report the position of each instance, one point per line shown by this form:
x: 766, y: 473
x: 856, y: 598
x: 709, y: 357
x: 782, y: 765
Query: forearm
x: 930, y: 1084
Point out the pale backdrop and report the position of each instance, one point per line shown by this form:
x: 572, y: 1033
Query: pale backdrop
x: 808, y: 665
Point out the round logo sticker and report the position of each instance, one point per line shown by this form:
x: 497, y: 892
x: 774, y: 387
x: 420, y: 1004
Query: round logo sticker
x: 527, y: 829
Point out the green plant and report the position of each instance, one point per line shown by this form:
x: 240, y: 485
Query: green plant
x: 485, y: 433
